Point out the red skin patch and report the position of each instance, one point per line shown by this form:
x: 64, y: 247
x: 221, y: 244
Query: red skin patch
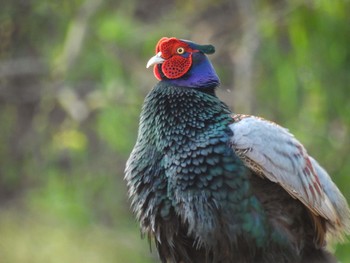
x: 175, y: 65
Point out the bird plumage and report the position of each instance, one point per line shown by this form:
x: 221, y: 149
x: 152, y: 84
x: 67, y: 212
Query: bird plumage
x: 212, y: 186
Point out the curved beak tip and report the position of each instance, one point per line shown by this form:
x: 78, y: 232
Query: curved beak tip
x: 157, y: 59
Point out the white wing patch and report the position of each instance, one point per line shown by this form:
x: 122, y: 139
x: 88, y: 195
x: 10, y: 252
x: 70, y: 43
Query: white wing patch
x: 272, y: 152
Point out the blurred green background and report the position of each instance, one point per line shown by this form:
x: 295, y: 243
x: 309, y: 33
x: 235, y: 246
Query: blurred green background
x: 72, y: 82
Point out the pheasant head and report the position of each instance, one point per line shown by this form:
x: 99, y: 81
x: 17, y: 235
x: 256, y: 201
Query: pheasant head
x: 183, y: 63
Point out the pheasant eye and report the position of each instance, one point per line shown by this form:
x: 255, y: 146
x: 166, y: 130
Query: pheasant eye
x: 180, y: 50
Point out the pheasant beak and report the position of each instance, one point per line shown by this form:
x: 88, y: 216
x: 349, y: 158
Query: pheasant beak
x: 157, y: 59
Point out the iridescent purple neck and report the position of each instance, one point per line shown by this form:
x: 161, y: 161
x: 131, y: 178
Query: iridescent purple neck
x: 201, y: 74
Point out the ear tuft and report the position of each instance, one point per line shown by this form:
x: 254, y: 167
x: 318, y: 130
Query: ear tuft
x: 207, y: 49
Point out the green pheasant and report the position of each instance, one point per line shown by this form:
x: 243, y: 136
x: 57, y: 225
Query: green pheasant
x: 212, y: 186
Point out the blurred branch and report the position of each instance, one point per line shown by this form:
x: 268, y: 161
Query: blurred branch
x: 243, y: 58
x: 76, y: 35
x: 72, y: 47
x: 22, y: 66
x: 243, y: 55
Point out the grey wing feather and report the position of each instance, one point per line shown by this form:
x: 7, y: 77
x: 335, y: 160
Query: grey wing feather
x: 274, y: 153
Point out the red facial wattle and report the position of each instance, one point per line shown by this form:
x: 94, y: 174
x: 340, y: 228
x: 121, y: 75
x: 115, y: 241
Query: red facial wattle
x: 175, y: 65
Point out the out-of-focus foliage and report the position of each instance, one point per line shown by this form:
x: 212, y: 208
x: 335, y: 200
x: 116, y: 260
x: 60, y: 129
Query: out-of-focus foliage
x: 72, y: 81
